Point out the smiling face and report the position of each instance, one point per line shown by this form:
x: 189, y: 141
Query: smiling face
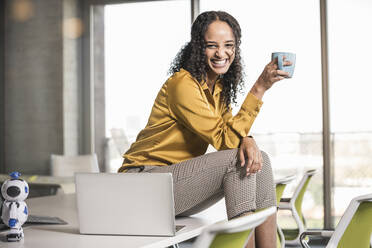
x: 220, y: 48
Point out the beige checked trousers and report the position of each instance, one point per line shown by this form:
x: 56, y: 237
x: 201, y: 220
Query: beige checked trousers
x: 200, y: 182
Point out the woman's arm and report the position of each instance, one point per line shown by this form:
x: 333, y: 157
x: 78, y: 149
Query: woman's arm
x: 268, y: 77
x: 249, y: 153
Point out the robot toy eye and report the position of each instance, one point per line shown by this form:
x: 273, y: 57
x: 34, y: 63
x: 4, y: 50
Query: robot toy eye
x: 13, y: 191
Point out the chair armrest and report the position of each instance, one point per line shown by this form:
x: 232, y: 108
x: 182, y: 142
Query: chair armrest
x: 284, y: 205
x: 242, y: 223
x: 321, y: 233
x: 285, y: 199
x: 285, y: 180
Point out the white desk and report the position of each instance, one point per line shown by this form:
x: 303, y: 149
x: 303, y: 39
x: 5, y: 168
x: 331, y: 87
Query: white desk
x: 67, y: 236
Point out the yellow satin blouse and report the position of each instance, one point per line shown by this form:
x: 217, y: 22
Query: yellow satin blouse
x: 185, y: 118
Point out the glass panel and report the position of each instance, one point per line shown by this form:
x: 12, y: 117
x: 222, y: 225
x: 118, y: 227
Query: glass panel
x: 350, y: 56
x: 141, y: 40
x: 289, y: 126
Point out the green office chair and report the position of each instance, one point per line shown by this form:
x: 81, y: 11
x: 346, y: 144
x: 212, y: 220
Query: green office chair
x: 280, y: 185
x: 234, y: 233
x: 354, y: 228
x: 294, y: 204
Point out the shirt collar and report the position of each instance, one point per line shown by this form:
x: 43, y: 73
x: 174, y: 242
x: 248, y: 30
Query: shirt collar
x: 217, y: 88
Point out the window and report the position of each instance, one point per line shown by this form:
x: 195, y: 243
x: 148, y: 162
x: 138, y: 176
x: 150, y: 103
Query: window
x: 350, y: 53
x: 138, y: 54
x: 141, y: 41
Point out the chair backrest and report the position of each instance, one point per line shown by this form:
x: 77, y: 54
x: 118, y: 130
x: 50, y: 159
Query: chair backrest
x: 300, y: 190
x: 355, y: 226
x: 233, y: 233
x: 65, y: 166
x: 280, y: 185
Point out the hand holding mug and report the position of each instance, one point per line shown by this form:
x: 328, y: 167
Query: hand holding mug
x: 282, y: 57
x: 272, y: 73
x: 279, y: 68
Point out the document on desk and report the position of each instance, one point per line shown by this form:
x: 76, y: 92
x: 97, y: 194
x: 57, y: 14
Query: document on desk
x: 37, y: 220
x: 179, y: 227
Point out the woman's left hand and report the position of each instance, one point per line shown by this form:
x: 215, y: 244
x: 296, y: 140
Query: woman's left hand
x: 249, y: 150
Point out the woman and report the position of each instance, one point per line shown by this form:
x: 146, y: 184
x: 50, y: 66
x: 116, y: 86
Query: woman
x: 192, y: 110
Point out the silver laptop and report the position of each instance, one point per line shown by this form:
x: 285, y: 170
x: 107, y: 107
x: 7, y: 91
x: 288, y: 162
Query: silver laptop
x: 125, y: 203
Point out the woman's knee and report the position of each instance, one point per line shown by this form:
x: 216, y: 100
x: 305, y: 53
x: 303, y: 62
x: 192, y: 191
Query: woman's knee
x: 266, y: 173
x: 226, y: 158
x: 266, y: 162
x: 265, y: 184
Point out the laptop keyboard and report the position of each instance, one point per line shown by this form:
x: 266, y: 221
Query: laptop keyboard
x: 36, y: 219
x: 179, y: 227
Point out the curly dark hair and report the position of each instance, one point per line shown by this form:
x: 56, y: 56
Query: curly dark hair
x: 193, y: 59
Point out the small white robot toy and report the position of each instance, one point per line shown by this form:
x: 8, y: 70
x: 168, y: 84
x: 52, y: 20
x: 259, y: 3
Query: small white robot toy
x: 14, y: 212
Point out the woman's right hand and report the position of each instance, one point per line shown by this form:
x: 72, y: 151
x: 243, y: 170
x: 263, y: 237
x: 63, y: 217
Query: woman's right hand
x: 268, y: 77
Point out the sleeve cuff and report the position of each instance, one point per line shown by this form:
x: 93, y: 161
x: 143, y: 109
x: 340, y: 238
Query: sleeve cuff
x: 252, y: 104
